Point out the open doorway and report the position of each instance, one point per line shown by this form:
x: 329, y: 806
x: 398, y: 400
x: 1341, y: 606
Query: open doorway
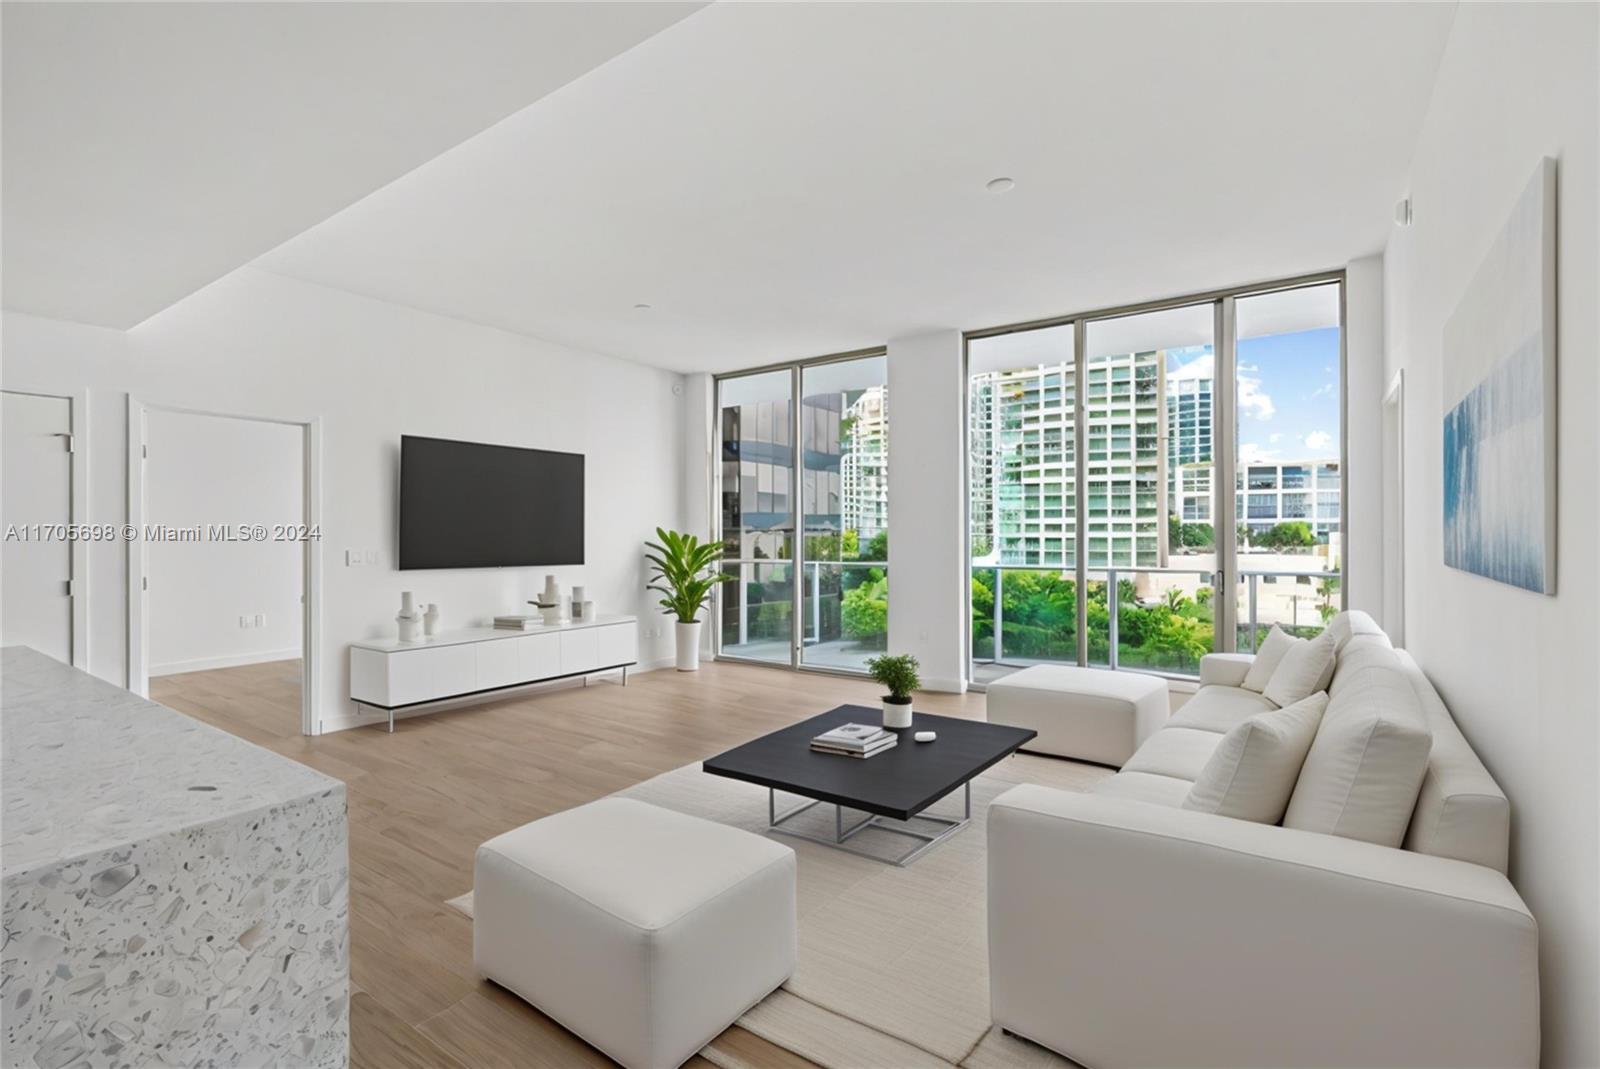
x: 220, y: 578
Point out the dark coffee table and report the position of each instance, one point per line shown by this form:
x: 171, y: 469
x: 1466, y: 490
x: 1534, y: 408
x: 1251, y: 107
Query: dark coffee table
x: 894, y: 786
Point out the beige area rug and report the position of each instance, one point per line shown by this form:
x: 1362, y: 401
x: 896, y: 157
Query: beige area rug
x: 893, y: 970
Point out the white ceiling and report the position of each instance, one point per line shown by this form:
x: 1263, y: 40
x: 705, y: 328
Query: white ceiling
x: 151, y: 148
x: 781, y: 181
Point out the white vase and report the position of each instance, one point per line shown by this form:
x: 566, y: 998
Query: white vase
x: 408, y: 618
x: 688, y: 646
x: 896, y: 715
x: 430, y: 621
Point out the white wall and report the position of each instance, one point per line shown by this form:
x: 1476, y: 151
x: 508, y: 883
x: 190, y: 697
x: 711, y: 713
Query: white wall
x: 1519, y: 670
x: 259, y: 344
x: 206, y: 470
x: 928, y: 584
x: 1363, y: 480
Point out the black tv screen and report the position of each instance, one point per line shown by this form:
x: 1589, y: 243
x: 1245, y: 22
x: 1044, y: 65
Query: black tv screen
x: 467, y: 505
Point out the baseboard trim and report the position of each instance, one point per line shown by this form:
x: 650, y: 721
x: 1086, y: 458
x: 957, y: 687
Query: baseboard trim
x: 237, y: 660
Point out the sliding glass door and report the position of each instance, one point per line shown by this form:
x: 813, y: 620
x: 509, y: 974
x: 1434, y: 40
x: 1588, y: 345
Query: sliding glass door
x: 804, y: 513
x: 1143, y: 456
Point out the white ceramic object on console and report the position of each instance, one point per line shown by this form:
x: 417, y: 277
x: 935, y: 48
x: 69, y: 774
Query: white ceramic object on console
x: 896, y: 714
x: 925, y: 736
x: 551, y: 613
x: 552, y: 592
x: 408, y: 618
x: 688, y: 646
x: 430, y: 621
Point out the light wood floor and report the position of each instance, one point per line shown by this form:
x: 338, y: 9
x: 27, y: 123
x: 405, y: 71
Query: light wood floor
x: 422, y: 799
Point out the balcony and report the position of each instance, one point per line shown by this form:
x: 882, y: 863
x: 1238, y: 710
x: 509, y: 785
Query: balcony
x: 1161, y: 619
x: 844, y: 612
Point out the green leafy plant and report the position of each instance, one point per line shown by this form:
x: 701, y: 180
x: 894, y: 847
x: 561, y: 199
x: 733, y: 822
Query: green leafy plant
x: 683, y: 572
x: 897, y: 673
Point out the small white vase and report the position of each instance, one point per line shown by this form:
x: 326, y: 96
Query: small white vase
x: 688, y: 646
x: 896, y: 715
x: 430, y: 621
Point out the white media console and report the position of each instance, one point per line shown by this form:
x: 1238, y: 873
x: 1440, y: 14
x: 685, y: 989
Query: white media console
x: 389, y: 674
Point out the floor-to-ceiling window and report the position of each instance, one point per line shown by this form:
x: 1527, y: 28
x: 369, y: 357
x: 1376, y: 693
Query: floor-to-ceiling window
x: 755, y: 616
x: 1022, y: 474
x: 1288, y: 386
x: 818, y: 470
x: 1120, y: 451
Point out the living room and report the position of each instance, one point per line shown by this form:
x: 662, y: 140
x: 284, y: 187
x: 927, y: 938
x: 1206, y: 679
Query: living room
x: 523, y: 429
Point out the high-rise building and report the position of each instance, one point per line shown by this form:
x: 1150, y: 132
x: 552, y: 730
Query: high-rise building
x: 1023, y: 467
x: 1278, y: 491
x: 864, y: 464
x: 1189, y: 461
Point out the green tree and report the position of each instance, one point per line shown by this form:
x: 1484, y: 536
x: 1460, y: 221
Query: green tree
x: 1327, y: 590
x: 877, y: 548
x: 864, y: 612
x: 1291, y: 534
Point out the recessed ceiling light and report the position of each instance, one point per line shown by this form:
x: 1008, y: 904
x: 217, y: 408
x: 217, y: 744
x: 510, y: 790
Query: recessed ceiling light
x: 641, y: 308
x: 999, y: 185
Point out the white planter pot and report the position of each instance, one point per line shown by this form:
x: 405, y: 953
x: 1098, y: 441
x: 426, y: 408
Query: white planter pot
x: 688, y: 646
x: 896, y: 715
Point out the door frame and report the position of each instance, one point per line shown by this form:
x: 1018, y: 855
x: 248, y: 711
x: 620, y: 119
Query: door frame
x: 1393, y: 556
x: 310, y: 561
x: 78, y: 577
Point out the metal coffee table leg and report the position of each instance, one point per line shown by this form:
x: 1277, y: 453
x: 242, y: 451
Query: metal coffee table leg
x: 840, y: 839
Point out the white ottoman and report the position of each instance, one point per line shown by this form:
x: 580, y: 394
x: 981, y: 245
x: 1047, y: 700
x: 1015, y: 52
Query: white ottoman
x: 1091, y: 714
x: 646, y: 932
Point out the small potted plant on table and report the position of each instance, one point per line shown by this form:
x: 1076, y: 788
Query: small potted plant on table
x: 898, y: 674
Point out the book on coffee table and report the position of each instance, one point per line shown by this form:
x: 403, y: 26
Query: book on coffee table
x: 854, y: 737
x: 851, y: 751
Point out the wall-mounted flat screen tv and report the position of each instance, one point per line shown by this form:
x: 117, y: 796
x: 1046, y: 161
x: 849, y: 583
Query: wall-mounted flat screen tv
x: 469, y: 505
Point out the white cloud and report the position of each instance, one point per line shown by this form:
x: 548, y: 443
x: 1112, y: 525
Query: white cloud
x: 1199, y: 368
x: 1318, y: 440
x: 1325, y: 390
x: 1251, y: 453
x: 1274, y: 438
x: 1253, y: 401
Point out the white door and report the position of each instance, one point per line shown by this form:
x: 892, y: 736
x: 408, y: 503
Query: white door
x: 36, y: 491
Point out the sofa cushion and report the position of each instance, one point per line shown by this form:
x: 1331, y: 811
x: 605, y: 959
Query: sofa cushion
x: 1219, y: 709
x: 1461, y: 812
x: 1304, y: 670
x: 1175, y: 751
x: 1253, y: 770
x: 1273, y: 647
x: 1145, y: 787
x: 1362, y: 774
x: 1359, y: 654
x: 1353, y: 623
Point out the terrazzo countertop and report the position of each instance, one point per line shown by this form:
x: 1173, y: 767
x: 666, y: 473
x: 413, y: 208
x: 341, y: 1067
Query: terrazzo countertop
x: 171, y: 895
x: 87, y: 765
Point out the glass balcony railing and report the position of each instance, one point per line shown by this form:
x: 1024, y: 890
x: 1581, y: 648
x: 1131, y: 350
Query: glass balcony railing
x: 1146, y: 619
x: 844, y: 611
x: 1301, y: 603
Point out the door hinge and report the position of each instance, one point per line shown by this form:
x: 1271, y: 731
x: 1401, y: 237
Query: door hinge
x: 144, y: 584
x: 144, y: 451
x: 68, y: 585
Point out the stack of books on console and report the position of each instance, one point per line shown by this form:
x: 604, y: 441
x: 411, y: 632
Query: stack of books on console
x: 855, y: 740
x: 518, y: 623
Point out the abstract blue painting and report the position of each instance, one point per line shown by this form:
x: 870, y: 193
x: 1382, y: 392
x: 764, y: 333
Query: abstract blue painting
x: 1499, y: 404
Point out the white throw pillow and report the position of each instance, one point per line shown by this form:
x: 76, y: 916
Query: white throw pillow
x: 1252, y: 772
x: 1364, y: 769
x: 1304, y: 670
x: 1273, y: 647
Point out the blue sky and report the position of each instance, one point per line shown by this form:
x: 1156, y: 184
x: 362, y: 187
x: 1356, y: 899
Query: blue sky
x: 1288, y: 393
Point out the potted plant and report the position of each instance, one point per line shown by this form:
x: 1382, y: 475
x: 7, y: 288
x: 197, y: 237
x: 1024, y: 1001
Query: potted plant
x: 898, y: 674
x: 684, y: 577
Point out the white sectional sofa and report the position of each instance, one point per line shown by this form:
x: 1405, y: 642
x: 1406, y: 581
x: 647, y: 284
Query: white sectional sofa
x: 1126, y: 930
